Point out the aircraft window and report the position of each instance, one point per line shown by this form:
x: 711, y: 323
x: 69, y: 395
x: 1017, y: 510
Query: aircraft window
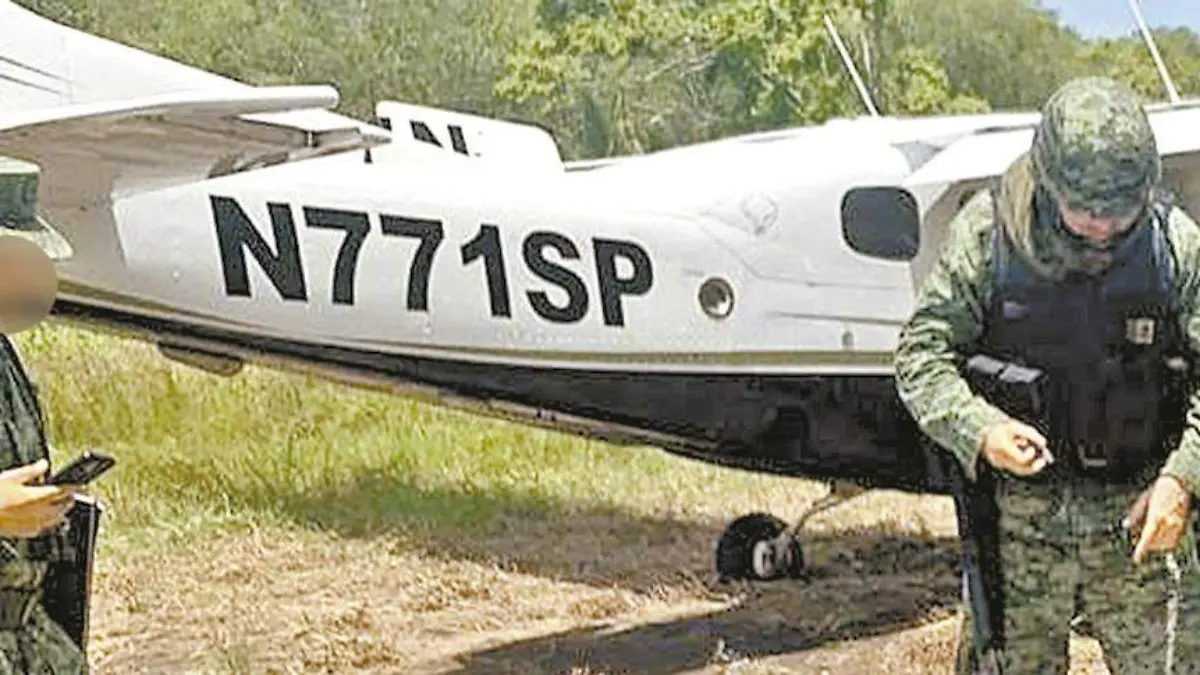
x: 716, y: 298
x: 881, y: 222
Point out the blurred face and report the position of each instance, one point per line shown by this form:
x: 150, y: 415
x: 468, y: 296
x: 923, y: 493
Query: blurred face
x: 28, y: 283
x: 1097, y: 231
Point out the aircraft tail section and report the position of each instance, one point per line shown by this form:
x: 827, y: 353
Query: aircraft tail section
x: 44, y: 64
x: 490, y: 141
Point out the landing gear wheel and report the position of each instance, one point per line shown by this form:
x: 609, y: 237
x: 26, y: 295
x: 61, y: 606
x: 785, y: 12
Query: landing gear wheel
x: 758, y: 547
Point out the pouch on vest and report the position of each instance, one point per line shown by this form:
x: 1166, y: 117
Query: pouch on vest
x: 1018, y: 390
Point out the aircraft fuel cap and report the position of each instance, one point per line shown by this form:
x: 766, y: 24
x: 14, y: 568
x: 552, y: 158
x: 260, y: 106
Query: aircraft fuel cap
x: 716, y: 298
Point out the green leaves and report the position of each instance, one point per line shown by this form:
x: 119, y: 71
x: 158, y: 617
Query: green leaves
x: 626, y: 76
x: 670, y: 72
x: 1129, y: 59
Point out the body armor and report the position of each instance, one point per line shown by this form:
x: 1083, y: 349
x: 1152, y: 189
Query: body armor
x: 1096, y: 363
x: 1113, y: 396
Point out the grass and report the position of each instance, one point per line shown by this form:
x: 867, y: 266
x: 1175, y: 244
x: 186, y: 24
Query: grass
x: 276, y: 519
x: 199, y: 454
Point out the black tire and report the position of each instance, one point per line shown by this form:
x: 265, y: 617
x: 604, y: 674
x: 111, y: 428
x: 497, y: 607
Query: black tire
x: 735, y: 549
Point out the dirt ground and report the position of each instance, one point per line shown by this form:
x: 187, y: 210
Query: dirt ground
x: 601, y: 594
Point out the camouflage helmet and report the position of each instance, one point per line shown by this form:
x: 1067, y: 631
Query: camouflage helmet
x: 1095, y: 149
x: 18, y: 209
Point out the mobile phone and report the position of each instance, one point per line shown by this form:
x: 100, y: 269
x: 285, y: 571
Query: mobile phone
x: 86, y: 468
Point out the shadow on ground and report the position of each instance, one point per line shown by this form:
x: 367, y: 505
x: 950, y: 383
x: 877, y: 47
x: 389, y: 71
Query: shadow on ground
x: 874, y: 585
x: 591, y: 544
x: 858, y: 584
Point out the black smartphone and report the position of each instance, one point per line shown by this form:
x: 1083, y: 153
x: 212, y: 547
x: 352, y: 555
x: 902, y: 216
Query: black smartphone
x: 86, y: 468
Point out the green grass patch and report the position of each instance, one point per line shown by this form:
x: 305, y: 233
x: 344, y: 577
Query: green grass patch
x: 200, y: 454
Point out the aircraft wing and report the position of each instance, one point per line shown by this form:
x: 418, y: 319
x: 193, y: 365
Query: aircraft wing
x: 973, y: 160
x: 90, y: 153
x: 975, y: 157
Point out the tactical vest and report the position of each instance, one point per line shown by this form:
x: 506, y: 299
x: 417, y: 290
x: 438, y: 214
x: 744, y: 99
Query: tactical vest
x: 1114, y: 395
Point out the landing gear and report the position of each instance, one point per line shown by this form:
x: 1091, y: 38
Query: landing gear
x: 761, y: 547
x: 758, y: 547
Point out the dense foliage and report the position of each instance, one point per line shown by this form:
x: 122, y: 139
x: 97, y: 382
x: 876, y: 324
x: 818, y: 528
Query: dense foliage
x: 621, y: 76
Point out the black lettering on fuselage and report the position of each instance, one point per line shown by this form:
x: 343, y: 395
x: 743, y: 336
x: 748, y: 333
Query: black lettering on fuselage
x: 535, y: 258
x: 486, y: 245
x: 457, y: 140
x: 356, y: 225
x: 422, y: 132
x: 236, y: 234
x: 283, y: 266
x: 430, y: 233
x: 613, y: 287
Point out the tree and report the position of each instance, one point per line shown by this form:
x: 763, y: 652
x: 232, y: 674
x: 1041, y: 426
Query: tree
x: 435, y: 52
x: 1011, y: 54
x: 625, y: 76
x: 642, y: 74
x: 1128, y: 59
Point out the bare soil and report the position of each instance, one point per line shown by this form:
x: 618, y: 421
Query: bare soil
x: 598, y: 594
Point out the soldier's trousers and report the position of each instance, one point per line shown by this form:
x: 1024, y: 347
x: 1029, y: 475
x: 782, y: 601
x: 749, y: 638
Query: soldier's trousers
x: 40, y: 648
x: 1064, y: 553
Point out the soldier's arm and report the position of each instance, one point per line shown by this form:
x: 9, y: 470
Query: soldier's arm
x: 947, y: 316
x: 1184, y: 461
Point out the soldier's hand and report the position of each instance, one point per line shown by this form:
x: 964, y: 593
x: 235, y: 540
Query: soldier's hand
x: 1135, y: 518
x: 1016, y: 447
x: 1165, y: 514
x: 28, y: 510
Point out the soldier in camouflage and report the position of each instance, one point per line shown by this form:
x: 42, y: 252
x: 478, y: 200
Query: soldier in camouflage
x: 31, y: 515
x: 1075, y: 265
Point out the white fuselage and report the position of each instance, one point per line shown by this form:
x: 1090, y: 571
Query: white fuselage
x: 628, y: 248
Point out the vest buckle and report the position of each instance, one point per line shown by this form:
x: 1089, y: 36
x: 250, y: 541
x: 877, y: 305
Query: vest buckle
x: 1091, y: 455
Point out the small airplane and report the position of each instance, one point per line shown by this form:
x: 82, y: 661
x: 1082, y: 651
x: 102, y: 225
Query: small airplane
x: 736, y: 302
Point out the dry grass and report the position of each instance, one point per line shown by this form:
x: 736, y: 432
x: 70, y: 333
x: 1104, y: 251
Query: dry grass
x: 273, y: 524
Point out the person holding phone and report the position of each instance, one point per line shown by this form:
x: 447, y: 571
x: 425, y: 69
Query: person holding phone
x: 32, y: 513
x: 28, y: 509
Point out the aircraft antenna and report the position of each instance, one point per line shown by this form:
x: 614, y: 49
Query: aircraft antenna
x: 846, y: 60
x: 1136, y: 7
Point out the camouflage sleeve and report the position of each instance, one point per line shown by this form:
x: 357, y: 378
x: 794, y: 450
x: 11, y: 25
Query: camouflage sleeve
x: 947, y: 316
x: 1184, y: 462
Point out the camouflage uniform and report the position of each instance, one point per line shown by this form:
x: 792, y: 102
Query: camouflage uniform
x: 30, y: 641
x: 1061, y: 548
